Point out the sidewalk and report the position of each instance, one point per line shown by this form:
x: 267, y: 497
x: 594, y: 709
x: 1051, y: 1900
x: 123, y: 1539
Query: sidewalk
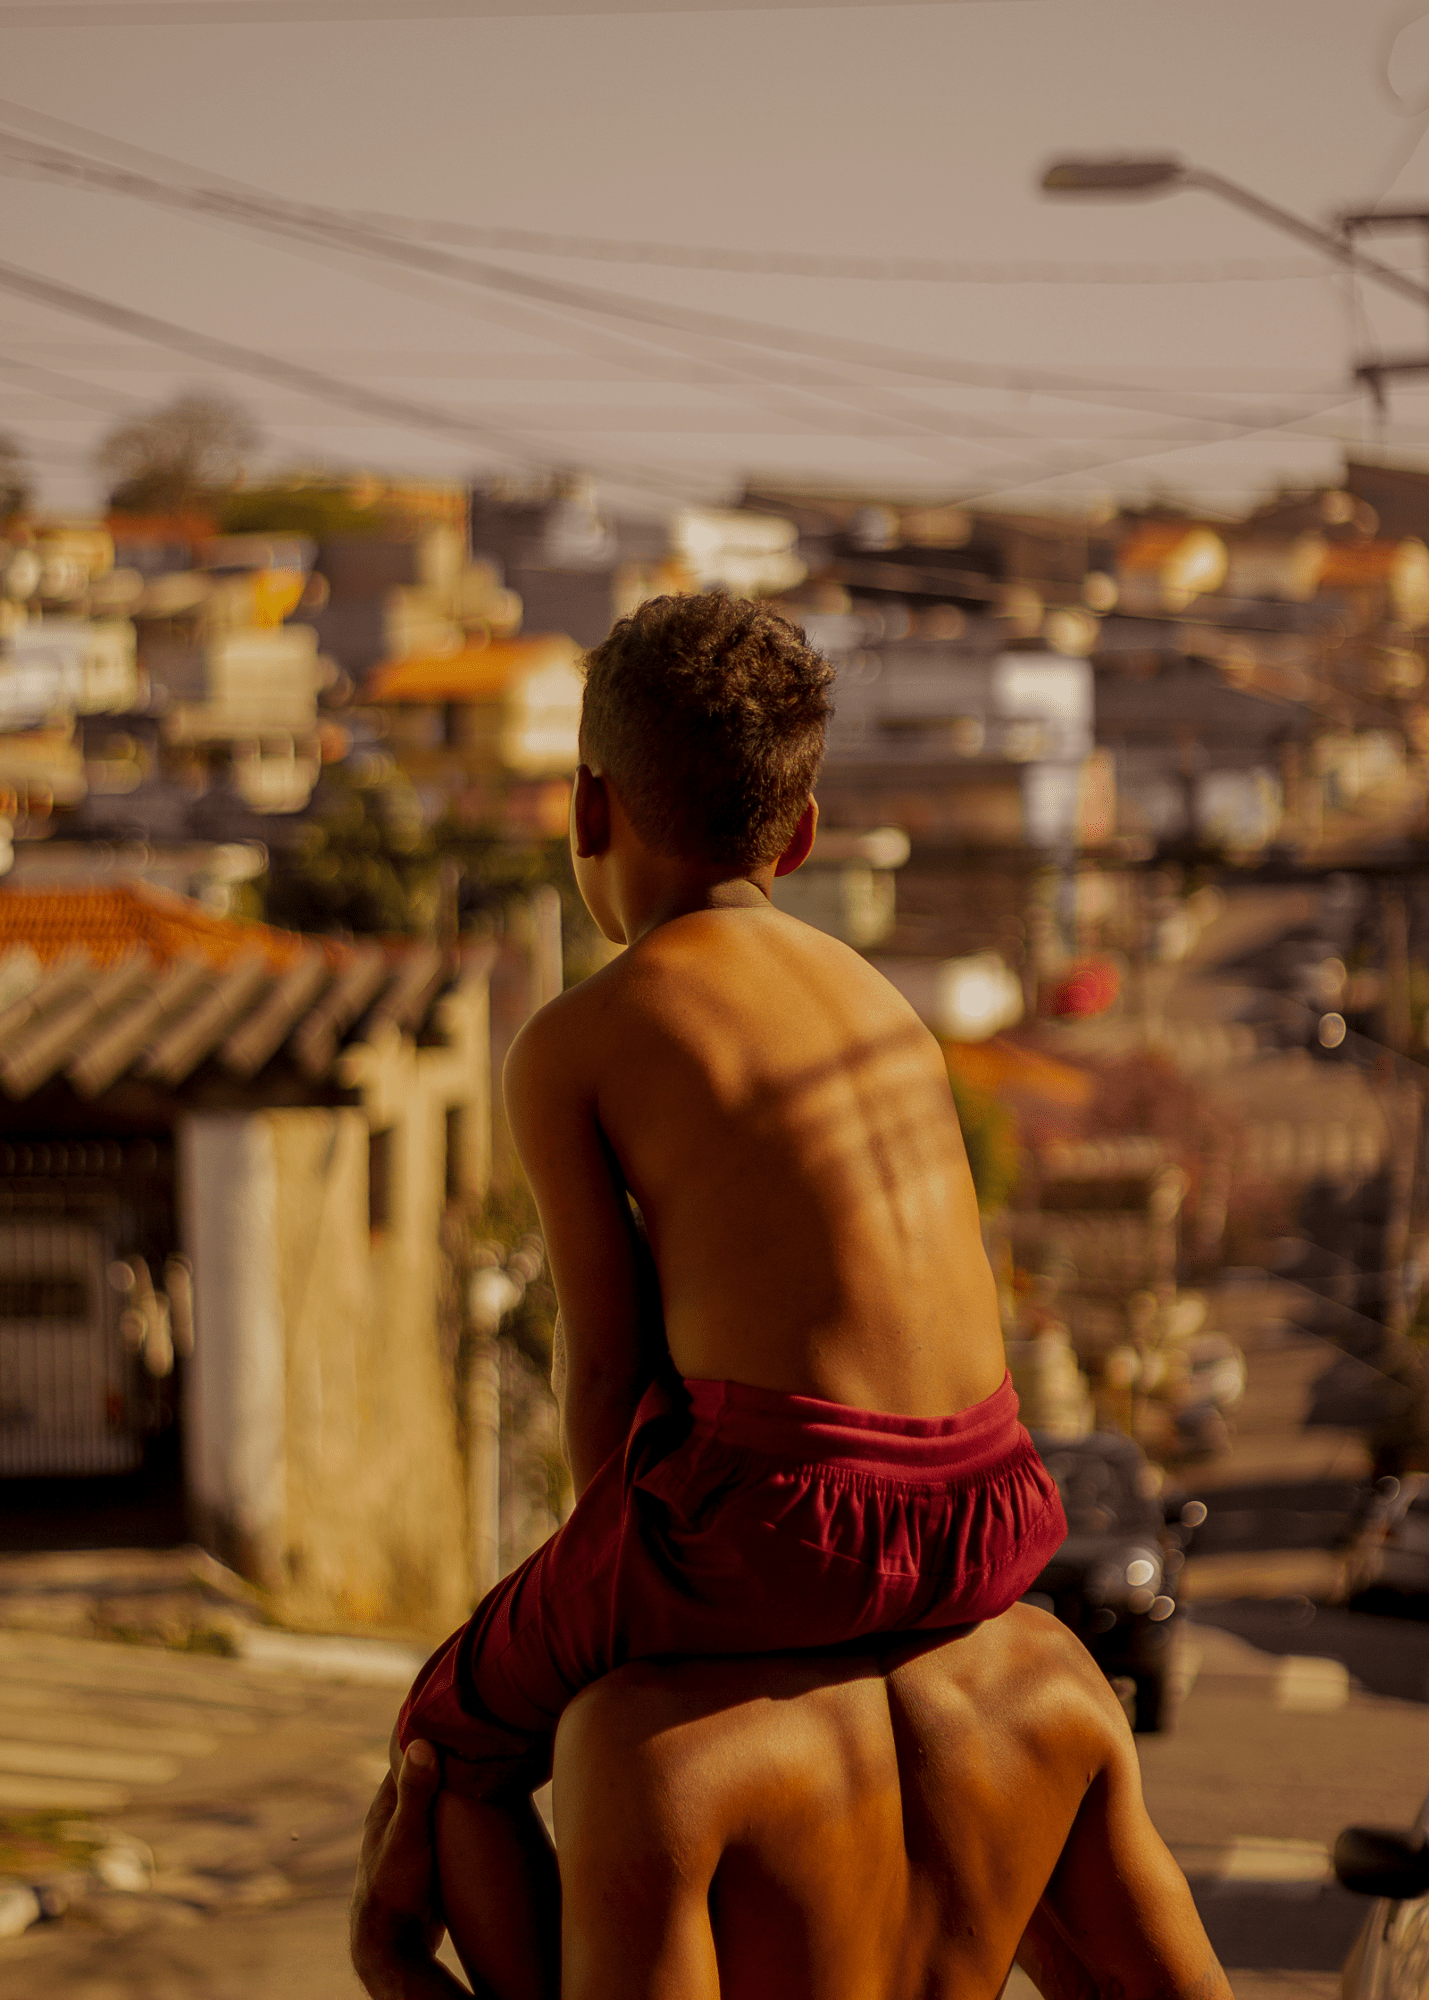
x: 198, y: 1814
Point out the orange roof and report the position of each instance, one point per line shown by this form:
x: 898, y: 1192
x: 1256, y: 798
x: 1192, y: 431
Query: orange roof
x: 1004, y: 1069
x: 475, y: 673
x: 108, y: 923
x: 1350, y: 563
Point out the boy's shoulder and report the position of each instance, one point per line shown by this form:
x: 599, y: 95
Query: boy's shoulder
x: 654, y: 981
x: 570, y: 1032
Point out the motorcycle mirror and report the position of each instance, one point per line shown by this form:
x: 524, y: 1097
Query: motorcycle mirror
x: 1379, y: 1861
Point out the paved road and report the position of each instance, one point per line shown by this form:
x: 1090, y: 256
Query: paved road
x: 247, y: 1783
x: 1280, y: 1745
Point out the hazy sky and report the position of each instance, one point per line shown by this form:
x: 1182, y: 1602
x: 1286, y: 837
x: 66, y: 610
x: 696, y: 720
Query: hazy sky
x: 1053, y: 351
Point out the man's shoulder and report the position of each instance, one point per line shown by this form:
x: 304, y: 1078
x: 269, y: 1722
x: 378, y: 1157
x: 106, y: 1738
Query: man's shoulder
x: 1023, y: 1652
x: 655, y: 1715
x: 1023, y: 1673
x: 760, y: 1742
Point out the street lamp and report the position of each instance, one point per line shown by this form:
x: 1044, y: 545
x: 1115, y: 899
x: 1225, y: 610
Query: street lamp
x: 1150, y: 174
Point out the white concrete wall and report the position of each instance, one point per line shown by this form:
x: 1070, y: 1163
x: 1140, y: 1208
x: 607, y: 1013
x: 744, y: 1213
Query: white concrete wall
x: 323, y: 1437
x: 235, y: 1397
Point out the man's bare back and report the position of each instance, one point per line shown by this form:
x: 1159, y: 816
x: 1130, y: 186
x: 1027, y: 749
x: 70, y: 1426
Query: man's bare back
x: 784, y: 1121
x: 810, y: 1829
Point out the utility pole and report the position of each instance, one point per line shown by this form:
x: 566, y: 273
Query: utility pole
x: 1378, y: 222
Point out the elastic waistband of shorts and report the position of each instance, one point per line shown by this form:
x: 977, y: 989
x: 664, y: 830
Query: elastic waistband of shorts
x: 801, y: 1429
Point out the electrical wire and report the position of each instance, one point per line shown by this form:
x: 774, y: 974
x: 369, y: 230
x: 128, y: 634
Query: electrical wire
x: 337, y: 231
x: 282, y: 13
x: 805, y: 264
x: 311, y: 381
x: 570, y: 247
x: 72, y: 389
x: 308, y: 223
x: 923, y: 432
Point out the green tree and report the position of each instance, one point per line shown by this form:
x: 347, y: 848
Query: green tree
x: 322, y: 512
x: 183, y: 454
x: 15, y: 481
x: 990, y: 1136
x: 364, y: 862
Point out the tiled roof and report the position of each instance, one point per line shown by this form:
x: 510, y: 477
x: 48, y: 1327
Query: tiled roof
x: 104, y: 985
x: 1006, y: 1069
x: 108, y: 923
x: 475, y: 673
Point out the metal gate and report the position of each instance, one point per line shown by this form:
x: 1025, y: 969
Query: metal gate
x: 82, y: 1225
x: 62, y: 1360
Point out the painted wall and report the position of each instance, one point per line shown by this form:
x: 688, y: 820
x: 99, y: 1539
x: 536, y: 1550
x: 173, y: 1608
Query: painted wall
x: 325, y: 1456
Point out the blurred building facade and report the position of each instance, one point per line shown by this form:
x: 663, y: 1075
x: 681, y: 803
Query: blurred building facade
x: 226, y: 1154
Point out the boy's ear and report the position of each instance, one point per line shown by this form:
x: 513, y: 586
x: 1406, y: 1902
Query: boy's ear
x: 799, y: 848
x: 590, y: 814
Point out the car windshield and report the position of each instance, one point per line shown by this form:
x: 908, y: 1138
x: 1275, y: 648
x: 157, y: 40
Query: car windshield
x: 1098, y: 1493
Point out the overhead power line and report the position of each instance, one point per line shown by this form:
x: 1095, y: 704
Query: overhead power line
x: 68, y: 388
x: 282, y: 13
x: 568, y: 244
x: 808, y: 264
x: 334, y: 230
x: 252, y: 208
x: 403, y: 410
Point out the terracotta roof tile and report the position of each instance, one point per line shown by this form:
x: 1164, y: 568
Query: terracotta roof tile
x: 109, y: 922
x: 475, y: 673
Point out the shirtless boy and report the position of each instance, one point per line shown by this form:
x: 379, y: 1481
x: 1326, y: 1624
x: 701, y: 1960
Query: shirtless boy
x: 789, y: 1422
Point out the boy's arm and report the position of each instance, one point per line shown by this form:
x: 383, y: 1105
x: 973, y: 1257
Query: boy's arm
x: 612, y: 1334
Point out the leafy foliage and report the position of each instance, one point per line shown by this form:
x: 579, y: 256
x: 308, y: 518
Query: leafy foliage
x: 178, y: 455
x: 323, y: 512
x: 364, y: 862
x: 15, y: 484
x: 990, y: 1136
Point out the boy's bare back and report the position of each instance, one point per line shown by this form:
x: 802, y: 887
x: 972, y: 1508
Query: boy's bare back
x: 784, y: 1122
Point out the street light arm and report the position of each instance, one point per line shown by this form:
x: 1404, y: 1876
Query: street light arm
x: 1326, y: 240
x: 1140, y: 175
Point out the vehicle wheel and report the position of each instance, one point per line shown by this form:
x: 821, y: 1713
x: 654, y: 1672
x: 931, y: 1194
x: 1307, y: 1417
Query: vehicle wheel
x: 1155, y: 1706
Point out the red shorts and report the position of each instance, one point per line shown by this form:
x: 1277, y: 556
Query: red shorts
x: 741, y: 1521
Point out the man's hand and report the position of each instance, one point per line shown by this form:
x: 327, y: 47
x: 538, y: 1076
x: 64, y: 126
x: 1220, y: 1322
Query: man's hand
x: 395, y: 1926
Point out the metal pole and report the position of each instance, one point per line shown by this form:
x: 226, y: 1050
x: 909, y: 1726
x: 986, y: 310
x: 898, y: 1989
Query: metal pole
x: 1327, y: 240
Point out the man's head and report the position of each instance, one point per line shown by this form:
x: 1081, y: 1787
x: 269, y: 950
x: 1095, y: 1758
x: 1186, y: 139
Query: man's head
x: 706, y: 715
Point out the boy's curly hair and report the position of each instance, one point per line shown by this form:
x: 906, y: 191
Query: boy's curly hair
x: 708, y: 715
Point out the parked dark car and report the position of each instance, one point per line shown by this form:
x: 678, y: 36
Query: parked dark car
x: 1389, y: 1960
x: 1113, y: 1581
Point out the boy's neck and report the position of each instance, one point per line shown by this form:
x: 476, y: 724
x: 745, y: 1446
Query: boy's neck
x: 671, y: 889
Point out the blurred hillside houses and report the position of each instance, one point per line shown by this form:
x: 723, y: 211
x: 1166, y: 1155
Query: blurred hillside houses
x: 351, y: 706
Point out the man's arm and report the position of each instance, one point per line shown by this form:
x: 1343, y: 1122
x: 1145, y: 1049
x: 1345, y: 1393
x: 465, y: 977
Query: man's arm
x: 1118, y: 1916
x: 635, y: 1894
x: 612, y: 1335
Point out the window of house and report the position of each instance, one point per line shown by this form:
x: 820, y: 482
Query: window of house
x: 379, y: 1179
